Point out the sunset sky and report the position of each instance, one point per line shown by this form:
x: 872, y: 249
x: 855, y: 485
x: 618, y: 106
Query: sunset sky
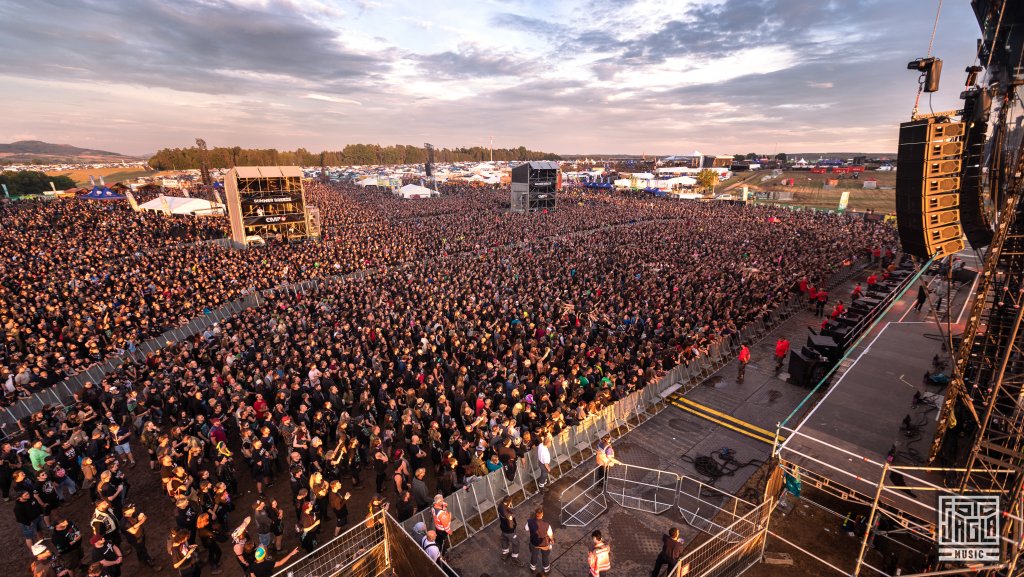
x: 573, y: 76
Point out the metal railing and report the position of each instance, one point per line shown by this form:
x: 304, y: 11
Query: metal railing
x: 584, y: 500
x: 732, y: 551
x: 376, y: 546
x: 649, y: 490
x: 474, y: 507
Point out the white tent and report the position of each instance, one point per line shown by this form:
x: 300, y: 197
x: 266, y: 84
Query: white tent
x: 416, y: 191
x: 180, y: 205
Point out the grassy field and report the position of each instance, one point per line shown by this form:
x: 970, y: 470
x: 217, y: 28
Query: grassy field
x: 846, y: 181
x: 883, y: 201
x: 110, y: 175
x: 808, y: 190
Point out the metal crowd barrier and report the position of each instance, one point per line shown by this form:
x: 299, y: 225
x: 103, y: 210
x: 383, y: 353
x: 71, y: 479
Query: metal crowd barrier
x: 730, y: 552
x: 474, y: 507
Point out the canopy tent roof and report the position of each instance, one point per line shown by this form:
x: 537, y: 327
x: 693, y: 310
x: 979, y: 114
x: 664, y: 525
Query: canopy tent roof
x: 416, y: 191
x: 182, y: 205
x: 104, y: 193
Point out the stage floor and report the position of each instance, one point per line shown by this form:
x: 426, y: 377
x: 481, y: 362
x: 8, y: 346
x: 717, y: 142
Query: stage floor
x: 847, y: 436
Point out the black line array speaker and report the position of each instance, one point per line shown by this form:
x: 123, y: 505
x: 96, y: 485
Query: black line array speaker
x: 928, y: 167
x: 973, y: 217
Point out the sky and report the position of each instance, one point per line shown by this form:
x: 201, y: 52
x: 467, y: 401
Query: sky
x: 565, y: 76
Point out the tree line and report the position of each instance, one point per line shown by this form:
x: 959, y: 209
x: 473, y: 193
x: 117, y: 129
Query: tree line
x: 25, y: 182
x: 352, y: 154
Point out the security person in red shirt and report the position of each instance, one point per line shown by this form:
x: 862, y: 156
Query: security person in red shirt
x: 781, y: 350
x: 744, y: 358
x: 857, y: 292
x: 819, y: 306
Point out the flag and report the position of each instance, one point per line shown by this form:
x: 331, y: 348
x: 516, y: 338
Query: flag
x: 131, y: 200
x: 793, y: 483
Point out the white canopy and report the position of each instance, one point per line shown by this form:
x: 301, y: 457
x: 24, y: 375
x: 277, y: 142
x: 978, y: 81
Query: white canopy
x: 416, y: 191
x: 180, y: 205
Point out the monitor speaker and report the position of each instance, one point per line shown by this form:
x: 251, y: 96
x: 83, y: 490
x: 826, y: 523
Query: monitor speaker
x: 928, y: 170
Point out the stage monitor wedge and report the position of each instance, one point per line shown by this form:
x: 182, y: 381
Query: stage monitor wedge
x: 928, y: 179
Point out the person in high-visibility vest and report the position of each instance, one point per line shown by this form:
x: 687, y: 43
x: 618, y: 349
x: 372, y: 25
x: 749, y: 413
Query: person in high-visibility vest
x: 744, y: 358
x: 442, y: 521
x: 599, y: 559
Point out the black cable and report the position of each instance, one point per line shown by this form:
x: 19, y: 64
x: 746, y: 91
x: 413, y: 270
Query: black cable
x: 709, y: 467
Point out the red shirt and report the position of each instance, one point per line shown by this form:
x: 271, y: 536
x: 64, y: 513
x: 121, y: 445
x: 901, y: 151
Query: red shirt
x: 781, y: 348
x: 744, y: 354
x: 857, y: 292
x: 823, y: 296
x: 872, y: 279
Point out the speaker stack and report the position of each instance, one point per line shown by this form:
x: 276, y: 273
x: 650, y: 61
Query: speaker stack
x: 928, y: 168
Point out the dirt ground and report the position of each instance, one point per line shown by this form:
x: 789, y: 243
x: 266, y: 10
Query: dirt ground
x: 145, y: 492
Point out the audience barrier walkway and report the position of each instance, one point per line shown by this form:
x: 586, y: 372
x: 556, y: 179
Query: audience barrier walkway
x: 736, y: 528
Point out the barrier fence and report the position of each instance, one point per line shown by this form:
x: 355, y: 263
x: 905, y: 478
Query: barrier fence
x: 376, y: 546
x: 732, y: 551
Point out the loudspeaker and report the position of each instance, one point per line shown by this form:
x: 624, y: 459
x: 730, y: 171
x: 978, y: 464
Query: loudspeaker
x: 806, y: 368
x: 973, y: 217
x: 928, y: 169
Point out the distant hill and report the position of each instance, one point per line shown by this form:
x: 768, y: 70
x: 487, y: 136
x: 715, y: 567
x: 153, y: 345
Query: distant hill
x: 46, y: 152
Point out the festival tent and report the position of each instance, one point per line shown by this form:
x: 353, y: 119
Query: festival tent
x: 104, y: 193
x: 180, y: 205
x: 416, y: 191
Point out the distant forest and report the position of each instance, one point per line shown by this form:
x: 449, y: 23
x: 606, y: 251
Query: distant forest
x: 361, y: 154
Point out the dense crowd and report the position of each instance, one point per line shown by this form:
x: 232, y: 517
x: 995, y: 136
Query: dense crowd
x: 474, y: 336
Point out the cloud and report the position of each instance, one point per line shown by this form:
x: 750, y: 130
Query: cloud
x: 206, y: 46
x: 333, y: 99
x: 574, y: 76
x: 472, y: 62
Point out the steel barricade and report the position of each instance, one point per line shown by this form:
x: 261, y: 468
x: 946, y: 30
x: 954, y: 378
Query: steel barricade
x: 515, y: 485
x: 456, y: 506
x: 642, y: 489
x: 583, y: 500
x: 732, y: 551
x: 560, y: 453
x: 484, y: 500
x: 701, y: 506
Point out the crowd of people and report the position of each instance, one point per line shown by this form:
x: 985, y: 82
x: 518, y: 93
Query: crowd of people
x: 474, y: 336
